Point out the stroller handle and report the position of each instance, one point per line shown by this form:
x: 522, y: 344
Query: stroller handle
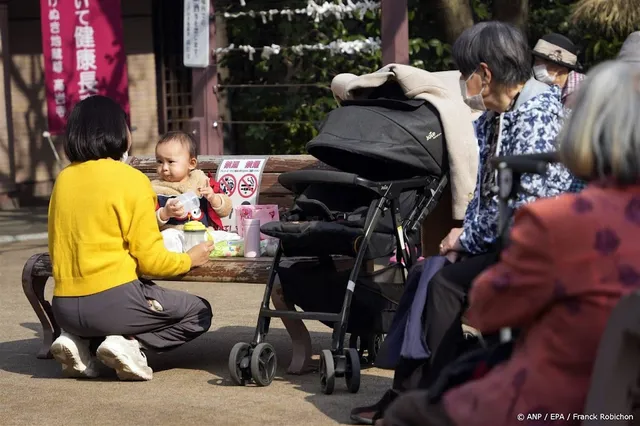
x: 507, y: 167
x: 530, y: 163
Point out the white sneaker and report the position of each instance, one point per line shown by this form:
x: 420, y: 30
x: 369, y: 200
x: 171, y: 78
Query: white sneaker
x: 74, y: 355
x: 124, y: 356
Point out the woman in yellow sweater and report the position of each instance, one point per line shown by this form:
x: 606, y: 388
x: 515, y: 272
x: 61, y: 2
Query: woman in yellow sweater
x: 103, y: 236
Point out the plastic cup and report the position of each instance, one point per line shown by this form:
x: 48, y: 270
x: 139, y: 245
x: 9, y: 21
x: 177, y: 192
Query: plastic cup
x: 189, y: 201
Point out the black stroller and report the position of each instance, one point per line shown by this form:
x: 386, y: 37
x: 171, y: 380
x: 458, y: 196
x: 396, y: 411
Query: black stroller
x: 392, y: 168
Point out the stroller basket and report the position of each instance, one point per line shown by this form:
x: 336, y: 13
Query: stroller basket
x: 375, y: 298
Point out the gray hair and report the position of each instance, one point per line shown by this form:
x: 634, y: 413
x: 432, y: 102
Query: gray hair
x: 630, y: 50
x: 501, y: 46
x: 601, y: 139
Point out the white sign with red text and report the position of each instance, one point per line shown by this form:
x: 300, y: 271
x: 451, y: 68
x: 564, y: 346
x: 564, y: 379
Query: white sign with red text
x: 240, y: 178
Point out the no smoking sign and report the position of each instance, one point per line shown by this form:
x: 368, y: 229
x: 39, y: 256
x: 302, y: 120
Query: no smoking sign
x: 228, y: 184
x: 247, y: 185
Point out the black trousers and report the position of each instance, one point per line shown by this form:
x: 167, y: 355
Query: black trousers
x: 445, y: 306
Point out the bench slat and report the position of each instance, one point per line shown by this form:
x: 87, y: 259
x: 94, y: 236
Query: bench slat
x: 268, y: 184
x: 210, y: 163
x: 230, y: 269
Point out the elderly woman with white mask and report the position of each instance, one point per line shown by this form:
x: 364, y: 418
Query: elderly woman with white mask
x: 556, y: 63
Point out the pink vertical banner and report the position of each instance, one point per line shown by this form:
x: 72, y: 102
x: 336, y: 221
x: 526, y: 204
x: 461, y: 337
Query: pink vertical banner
x: 83, y: 55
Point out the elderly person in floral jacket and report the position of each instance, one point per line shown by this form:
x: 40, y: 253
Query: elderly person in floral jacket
x: 520, y: 116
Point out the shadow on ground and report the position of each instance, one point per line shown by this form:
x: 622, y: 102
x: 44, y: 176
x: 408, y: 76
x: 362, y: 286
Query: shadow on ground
x: 208, y: 353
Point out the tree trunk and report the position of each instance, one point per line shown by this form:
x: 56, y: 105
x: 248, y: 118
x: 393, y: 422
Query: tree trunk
x: 455, y: 15
x: 515, y: 12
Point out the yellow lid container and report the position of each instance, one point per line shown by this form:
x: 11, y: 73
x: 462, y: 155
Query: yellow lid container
x: 194, y: 226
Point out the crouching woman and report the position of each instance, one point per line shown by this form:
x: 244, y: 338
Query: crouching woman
x: 103, y: 236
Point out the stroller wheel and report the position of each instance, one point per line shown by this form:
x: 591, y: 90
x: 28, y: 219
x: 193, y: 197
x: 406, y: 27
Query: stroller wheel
x: 263, y: 364
x: 239, y: 362
x: 352, y: 370
x: 360, y: 344
x: 327, y: 372
x: 367, y: 347
x: 375, y: 343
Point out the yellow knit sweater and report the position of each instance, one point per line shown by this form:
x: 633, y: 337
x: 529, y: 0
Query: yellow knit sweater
x: 103, y: 231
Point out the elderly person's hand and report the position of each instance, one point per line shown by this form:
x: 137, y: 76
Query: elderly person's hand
x: 450, y: 245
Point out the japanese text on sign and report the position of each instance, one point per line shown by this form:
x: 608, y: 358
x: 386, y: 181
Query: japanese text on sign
x: 240, y: 180
x: 85, y: 51
x: 78, y: 62
x: 56, y: 57
x: 196, y: 33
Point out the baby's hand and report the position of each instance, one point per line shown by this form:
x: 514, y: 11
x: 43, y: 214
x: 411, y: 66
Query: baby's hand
x: 173, y: 208
x: 212, y: 197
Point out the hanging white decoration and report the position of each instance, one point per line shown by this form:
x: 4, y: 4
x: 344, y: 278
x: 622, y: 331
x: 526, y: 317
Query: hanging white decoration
x: 267, y: 51
x: 313, y: 10
x: 351, y: 47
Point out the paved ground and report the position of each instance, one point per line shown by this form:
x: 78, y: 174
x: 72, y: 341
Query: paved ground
x: 190, y: 385
x: 23, y: 224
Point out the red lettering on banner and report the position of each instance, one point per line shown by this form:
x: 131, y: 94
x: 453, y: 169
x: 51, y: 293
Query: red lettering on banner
x: 79, y: 64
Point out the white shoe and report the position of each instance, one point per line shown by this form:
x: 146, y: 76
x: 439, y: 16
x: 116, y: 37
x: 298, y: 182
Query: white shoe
x: 74, y: 355
x: 124, y: 356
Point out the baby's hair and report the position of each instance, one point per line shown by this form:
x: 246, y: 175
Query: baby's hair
x: 184, y: 138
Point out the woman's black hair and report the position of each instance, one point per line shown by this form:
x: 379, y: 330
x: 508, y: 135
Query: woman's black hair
x: 97, y: 128
x: 501, y: 46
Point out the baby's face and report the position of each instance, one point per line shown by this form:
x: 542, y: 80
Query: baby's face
x: 174, y: 161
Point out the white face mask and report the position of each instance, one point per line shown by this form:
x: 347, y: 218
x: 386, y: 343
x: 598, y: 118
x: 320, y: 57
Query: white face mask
x: 474, y: 102
x: 542, y: 74
x: 125, y: 156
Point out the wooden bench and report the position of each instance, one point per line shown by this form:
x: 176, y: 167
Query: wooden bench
x: 37, y: 270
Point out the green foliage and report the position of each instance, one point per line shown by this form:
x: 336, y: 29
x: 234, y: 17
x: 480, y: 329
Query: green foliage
x: 297, y: 111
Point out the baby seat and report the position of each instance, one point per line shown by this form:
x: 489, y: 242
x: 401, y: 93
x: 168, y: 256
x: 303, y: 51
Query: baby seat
x: 392, y: 164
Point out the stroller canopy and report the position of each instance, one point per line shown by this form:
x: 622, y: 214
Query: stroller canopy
x: 383, y: 139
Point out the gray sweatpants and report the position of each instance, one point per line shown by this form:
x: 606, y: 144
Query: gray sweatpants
x: 124, y: 310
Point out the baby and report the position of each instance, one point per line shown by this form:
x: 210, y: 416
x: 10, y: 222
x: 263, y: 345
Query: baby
x: 177, y: 161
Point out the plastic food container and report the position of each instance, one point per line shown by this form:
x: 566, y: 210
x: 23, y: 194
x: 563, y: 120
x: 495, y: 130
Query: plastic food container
x: 195, y: 233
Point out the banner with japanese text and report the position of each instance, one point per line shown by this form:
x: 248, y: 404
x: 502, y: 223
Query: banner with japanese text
x: 83, y: 55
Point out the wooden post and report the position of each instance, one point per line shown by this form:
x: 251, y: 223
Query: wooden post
x: 204, y: 124
x: 395, y: 32
x: 6, y: 67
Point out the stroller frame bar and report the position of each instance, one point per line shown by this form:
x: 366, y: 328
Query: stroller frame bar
x: 317, y: 316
